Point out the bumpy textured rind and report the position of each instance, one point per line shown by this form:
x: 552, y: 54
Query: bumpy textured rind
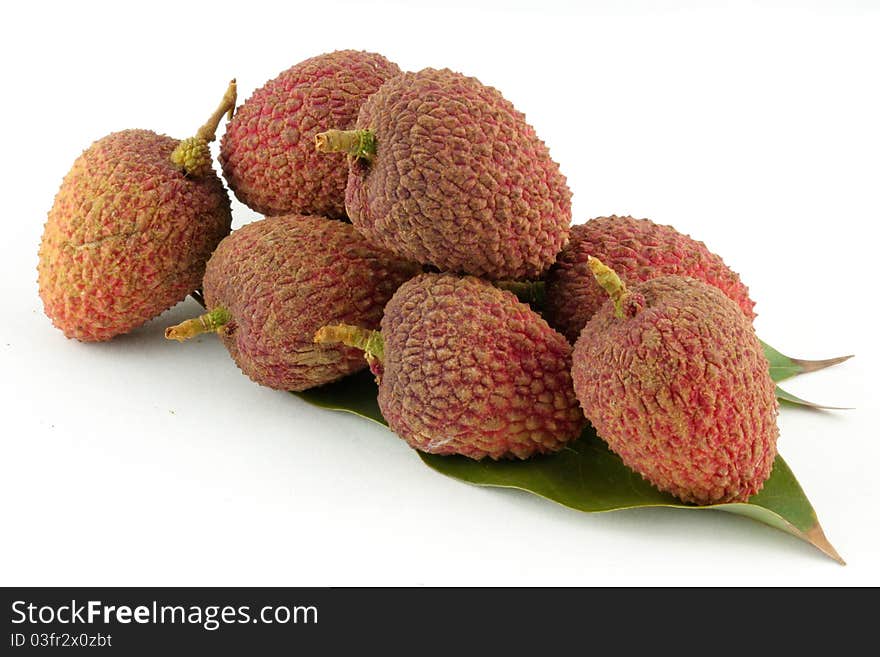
x: 637, y: 249
x: 268, y: 152
x: 470, y: 370
x: 459, y: 181
x: 681, y: 391
x: 283, y: 278
x: 127, y: 237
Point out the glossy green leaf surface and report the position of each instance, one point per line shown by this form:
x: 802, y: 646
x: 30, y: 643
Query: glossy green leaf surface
x: 587, y: 476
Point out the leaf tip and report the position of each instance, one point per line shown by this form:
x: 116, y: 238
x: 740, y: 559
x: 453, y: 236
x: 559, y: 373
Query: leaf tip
x: 815, y: 365
x: 817, y: 537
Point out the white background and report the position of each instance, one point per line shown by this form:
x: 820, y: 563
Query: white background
x: 752, y: 126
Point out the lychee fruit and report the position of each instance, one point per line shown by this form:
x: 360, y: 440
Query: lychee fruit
x: 272, y: 283
x: 637, y: 250
x: 671, y: 375
x: 268, y: 154
x: 131, y: 228
x: 465, y: 368
x: 445, y: 171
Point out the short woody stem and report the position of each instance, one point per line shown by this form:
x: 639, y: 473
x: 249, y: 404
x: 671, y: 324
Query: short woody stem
x: 208, y: 132
x: 356, y: 143
x: 193, y: 155
x: 610, y: 282
x: 530, y: 292
x: 366, y: 340
x: 210, y: 322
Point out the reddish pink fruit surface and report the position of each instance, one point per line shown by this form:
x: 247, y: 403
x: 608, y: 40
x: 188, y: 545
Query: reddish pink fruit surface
x: 637, y: 249
x: 459, y: 179
x: 268, y: 152
x: 281, y: 279
x: 128, y: 236
x: 680, y: 389
x: 470, y: 370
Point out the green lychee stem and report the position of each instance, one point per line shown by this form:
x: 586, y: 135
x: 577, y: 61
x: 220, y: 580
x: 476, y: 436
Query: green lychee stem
x: 208, y: 132
x: 193, y: 155
x: 610, y: 282
x: 371, y: 342
x: 211, y: 322
x: 357, y: 143
x: 530, y: 292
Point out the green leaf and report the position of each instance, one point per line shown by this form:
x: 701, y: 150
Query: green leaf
x: 787, y: 397
x: 587, y: 476
x: 784, y: 367
x: 353, y: 394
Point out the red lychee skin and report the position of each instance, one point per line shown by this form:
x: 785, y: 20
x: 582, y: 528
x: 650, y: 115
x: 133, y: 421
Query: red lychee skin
x: 680, y: 390
x: 637, y: 250
x: 268, y: 152
x: 470, y: 370
x: 127, y: 237
x: 459, y: 180
x: 283, y: 278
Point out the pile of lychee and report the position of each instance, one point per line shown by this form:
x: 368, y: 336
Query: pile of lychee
x: 403, y: 214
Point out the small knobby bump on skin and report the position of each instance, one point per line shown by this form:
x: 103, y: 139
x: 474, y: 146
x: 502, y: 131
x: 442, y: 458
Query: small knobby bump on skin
x: 193, y: 155
x: 632, y: 304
